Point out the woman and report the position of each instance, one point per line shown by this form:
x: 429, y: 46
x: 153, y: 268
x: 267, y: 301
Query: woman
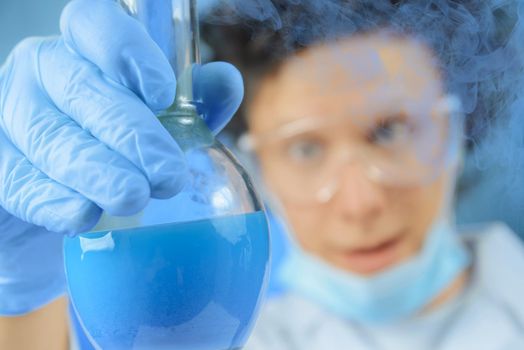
x: 359, y: 144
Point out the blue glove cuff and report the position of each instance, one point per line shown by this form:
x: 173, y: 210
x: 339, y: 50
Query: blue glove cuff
x: 31, y: 266
x: 17, y: 303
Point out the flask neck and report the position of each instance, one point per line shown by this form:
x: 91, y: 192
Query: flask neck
x: 173, y: 25
x: 187, y: 128
x: 187, y: 53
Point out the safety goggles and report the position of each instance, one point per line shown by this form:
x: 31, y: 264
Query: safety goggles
x: 306, y: 160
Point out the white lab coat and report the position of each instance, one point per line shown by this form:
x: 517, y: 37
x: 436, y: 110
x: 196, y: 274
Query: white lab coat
x: 488, y: 315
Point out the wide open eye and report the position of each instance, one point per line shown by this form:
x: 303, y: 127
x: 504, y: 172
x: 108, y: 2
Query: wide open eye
x: 305, y: 150
x: 390, y: 131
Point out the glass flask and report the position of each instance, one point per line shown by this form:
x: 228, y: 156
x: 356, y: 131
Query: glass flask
x: 187, y: 272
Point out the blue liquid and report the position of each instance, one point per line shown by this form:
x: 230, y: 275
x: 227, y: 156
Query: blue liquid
x: 189, y: 286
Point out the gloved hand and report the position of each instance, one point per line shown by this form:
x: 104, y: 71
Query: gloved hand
x: 78, y: 135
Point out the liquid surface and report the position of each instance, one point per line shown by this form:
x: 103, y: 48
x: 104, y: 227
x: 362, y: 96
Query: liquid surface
x: 190, y: 286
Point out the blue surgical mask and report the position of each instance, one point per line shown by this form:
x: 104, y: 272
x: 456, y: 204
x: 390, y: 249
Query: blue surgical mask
x: 388, y: 296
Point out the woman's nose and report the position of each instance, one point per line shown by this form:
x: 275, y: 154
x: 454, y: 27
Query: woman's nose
x: 358, y: 197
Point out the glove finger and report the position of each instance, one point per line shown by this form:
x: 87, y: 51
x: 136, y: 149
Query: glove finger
x: 101, y: 32
x: 60, y: 148
x: 220, y: 87
x: 113, y: 115
x: 72, y: 157
x: 30, y: 195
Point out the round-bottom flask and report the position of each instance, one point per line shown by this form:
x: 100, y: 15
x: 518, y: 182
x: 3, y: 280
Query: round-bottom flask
x: 186, y: 273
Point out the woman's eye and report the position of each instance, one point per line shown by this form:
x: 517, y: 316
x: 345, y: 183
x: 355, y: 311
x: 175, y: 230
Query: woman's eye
x: 389, y: 131
x: 305, y: 150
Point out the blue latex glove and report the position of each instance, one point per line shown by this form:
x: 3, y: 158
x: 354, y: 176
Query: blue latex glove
x: 78, y: 136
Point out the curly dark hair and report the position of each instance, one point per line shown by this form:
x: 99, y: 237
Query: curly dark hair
x: 477, y: 42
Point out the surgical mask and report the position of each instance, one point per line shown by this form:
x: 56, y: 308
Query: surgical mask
x: 394, y: 294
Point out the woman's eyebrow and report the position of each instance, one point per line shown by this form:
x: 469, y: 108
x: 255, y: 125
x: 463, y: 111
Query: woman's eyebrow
x: 372, y: 120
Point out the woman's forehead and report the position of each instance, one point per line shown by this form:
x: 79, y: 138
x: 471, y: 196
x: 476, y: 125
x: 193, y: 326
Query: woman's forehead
x: 364, y: 75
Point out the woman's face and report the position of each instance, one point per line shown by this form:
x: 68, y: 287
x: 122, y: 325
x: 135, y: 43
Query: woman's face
x: 337, y: 113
